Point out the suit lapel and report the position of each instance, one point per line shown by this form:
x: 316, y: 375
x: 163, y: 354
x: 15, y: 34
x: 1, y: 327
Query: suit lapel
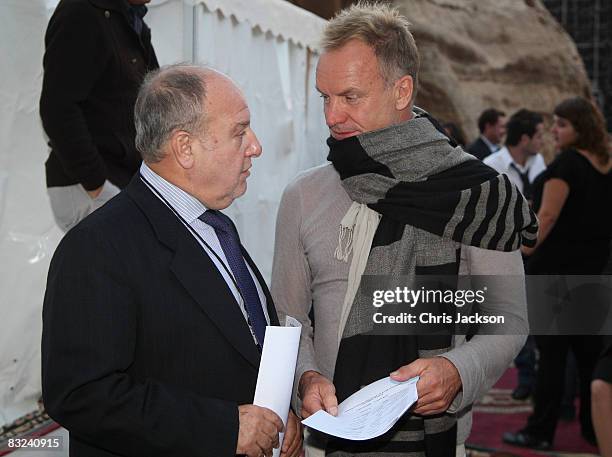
x: 196, y: 271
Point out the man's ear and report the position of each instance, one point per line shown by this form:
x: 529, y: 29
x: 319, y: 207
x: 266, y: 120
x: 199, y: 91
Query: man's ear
x: 181, y: 143
x: 404, y: 88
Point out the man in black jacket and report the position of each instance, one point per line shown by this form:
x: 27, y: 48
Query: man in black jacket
x: 492, y: 127
x: 97, y: 53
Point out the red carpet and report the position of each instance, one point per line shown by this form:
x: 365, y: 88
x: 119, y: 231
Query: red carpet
x: 497, y: 413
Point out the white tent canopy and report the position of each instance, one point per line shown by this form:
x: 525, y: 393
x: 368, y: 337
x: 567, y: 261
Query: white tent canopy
x: 267, y: 46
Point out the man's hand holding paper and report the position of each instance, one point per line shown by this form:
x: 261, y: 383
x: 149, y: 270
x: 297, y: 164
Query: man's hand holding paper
x: 368, y: 413
x: 438, y: 385
x: 317, y: 392
x: 431, y: 383
x: 258, y: 431
x: 274, y: 384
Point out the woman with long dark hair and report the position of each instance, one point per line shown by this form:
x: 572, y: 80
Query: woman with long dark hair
x: 573, y: 200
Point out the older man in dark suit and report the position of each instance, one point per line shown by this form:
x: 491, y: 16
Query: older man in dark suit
x: 154, y: 313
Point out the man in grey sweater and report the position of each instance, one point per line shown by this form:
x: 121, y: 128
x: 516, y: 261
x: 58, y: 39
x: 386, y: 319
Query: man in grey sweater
x: 385, y: 153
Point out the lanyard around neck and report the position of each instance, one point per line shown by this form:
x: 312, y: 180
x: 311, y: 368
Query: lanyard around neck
x: 194, y: 232
x: 210, y: 249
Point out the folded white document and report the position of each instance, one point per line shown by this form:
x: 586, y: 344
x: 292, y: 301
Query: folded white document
x: 277, y: 370
x: 369, y: 412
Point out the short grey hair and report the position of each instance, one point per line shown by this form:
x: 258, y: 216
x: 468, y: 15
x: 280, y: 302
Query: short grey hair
x: 170, y: 98
x: 384, y: 29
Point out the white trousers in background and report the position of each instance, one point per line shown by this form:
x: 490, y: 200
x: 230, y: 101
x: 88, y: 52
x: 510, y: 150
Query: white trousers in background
x: 70, y: 204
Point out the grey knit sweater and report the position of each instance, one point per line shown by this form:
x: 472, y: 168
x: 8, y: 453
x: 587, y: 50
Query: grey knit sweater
x: 305, y: 273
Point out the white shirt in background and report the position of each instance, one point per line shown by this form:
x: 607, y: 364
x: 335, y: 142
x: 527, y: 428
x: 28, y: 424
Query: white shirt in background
x: 502, y: 159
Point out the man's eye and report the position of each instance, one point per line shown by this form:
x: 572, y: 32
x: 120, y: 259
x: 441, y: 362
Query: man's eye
x: 324, y: 97
x: 351, y: 98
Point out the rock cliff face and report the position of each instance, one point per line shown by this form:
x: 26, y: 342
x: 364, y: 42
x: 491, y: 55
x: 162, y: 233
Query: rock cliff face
x: 324, y: 8
x: 507, y: 54
x: 476, y: 54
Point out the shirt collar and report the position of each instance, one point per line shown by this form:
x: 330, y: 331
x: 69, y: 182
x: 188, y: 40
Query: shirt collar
x: 491, y: 146
x: 507, y: 159
x: 186, y: 205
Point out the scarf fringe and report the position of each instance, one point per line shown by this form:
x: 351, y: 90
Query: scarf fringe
x: 357, y: 230
x: 345, y: 243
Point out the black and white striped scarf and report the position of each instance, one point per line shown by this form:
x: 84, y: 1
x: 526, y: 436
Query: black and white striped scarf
x: 432, y: 197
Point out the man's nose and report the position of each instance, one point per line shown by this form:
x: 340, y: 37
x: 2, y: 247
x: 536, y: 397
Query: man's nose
x: 334, y: 113
x: 254, y: 149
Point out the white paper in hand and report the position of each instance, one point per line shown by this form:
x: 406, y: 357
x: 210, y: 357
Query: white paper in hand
x: 277, y: 369
x: 369, y: 412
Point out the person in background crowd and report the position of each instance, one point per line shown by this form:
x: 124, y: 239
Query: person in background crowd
x: 601, y: 391
x: 572, y: 197
x: 570, y: 389
x: 522, y: 162
x: 492, y: 127
x: 601, y: 400
x: 97, y: 53
x: 520, y: 158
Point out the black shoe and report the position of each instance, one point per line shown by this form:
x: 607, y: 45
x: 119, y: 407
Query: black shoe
x: 524, y: 439
x: 522, y: 392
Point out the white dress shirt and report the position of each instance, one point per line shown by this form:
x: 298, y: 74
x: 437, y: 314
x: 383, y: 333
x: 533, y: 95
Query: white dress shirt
x: 502, y: 159
x: 189, y: 209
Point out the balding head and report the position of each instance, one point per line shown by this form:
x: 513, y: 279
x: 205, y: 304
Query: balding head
x: 171, y: 98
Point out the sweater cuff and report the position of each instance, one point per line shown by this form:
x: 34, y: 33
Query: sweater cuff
x: 457, y: 403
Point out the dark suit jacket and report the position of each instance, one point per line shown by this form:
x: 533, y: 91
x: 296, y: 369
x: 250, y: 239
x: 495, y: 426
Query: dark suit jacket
x: 479, y: 149
x: 94, y: 64
x: 145, y: 351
